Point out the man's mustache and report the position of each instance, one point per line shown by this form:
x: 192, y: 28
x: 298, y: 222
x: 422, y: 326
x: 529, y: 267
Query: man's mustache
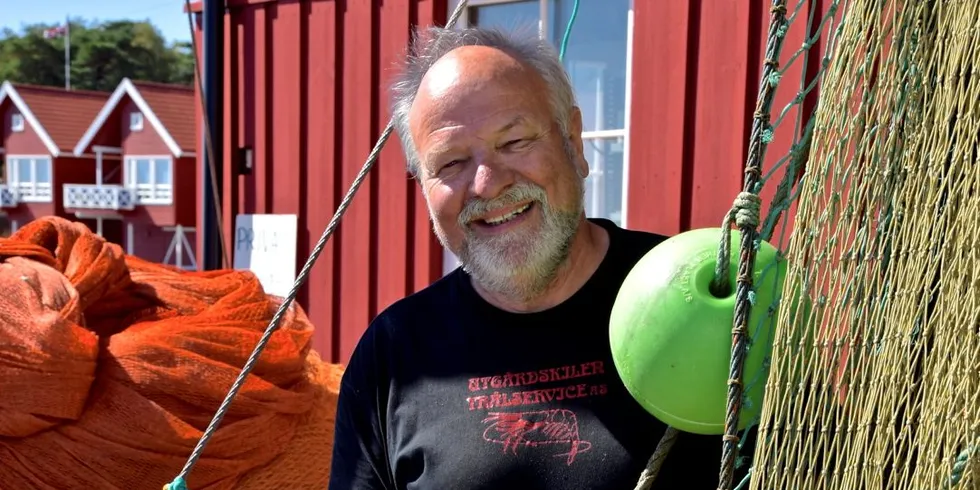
x: 517, y: 193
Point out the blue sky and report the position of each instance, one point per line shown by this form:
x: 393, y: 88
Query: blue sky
x: 166, y: 15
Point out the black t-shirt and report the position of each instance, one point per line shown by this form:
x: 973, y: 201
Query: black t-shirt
x: 446, y: 392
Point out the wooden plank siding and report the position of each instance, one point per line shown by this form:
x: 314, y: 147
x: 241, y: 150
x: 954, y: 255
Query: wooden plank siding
x: 696, y: 71
x: 306, y: 90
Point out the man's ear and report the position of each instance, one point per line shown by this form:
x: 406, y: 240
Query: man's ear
x: 575, y: 140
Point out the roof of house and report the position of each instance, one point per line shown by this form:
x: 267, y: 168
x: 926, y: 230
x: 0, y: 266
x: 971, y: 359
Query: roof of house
x: 168, y: 108
x: 58, y: 116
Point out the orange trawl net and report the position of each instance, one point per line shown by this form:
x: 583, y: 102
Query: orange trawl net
x: 111, y: 367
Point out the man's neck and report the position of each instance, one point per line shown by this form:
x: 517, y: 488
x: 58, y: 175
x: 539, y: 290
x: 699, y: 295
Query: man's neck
x: 588, y: 248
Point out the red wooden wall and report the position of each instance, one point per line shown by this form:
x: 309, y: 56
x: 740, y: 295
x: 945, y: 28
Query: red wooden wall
x: 305, y: 90
x: 696, y: 72
x: 306, y: 84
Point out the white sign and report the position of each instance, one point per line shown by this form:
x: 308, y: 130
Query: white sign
x: 266, y: 245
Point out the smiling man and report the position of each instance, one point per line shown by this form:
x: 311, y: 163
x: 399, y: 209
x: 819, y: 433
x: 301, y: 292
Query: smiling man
x: 500, y: 374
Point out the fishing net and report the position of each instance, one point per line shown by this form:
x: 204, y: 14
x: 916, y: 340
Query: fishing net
x: 110, y: 369
x: 872, y: 197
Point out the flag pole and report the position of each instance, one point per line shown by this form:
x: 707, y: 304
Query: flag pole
x: 67, y: 53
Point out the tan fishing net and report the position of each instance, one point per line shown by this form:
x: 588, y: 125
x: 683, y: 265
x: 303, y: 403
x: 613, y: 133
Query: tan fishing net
x: 877, y: 384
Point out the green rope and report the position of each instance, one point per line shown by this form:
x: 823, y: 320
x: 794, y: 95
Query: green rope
x: 959, y: 466
x: 568, y: 31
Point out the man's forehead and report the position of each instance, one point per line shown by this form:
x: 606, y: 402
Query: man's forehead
x: 464, y: 78
x: 441, y: 78
x: 471, y: 67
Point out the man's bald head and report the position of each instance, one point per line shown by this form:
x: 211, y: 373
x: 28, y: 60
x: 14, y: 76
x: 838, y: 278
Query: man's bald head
x: 464, y: 59
x: 470, y: 66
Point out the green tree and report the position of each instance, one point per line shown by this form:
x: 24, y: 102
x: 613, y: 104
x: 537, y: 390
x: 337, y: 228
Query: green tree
x: 101, y: 54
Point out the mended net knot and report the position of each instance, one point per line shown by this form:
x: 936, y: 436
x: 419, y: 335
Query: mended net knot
x: 746, y: 210
x: 745, y: 214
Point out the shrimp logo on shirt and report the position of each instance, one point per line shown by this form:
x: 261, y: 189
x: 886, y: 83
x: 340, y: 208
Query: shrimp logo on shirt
x: 536, y: 429
x: 518, y: 429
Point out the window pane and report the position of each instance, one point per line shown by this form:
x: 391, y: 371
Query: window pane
x: 42, y: 171
x: 143, y: 172
x: 23, y: 170
x: 510, y: 16
x: 595, y: 58
x: 161, y: 171
x: 604, y: 186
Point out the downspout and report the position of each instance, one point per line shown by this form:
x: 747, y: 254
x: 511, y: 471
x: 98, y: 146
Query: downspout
x: 212, y: 25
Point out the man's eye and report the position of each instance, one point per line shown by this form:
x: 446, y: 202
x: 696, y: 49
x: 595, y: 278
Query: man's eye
x: 451, y: 163
x: 517, y: 144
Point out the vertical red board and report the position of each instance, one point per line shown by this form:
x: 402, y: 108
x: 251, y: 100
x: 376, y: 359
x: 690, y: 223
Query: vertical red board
x: 359, y: 108
x: 242, y: 121
x: 659, y: 90
x: 395, y: 188
x: 286, y: 101
x: 427, y: 260
x: 260, y: 73
x: 721, y: 127
x: 249, y: 78
x: 199, y: 134
x: 320, y: 89
x: 229, y: 142
x: 284, y: 168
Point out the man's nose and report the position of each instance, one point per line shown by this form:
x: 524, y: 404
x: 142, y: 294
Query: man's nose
x: 491, y: 178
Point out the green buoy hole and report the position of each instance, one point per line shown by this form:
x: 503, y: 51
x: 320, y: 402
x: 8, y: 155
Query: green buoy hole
x: 705, y: 282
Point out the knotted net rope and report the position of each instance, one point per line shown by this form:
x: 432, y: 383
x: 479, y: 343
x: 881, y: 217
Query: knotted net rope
x: 875, y: 377
x: 878, y: 386
x: 875, y: 370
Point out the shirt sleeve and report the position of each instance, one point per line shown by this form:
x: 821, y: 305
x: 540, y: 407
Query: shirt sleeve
x: 360, y: 457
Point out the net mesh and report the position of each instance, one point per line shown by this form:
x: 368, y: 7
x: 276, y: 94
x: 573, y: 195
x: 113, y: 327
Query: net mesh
x: 111, y: 366
x: 874, y: 377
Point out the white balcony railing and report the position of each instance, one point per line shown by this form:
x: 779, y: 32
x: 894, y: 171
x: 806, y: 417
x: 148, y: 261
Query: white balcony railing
x: 8, y: 196
x: 99, y: 196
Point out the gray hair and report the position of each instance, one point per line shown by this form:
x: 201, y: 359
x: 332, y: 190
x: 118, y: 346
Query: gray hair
x: 436, y: 42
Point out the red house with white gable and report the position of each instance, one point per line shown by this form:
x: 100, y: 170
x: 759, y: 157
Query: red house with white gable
x: 143, y: 141
x: 38, y: 131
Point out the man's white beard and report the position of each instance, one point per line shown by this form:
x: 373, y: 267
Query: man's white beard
x: 523, y: 264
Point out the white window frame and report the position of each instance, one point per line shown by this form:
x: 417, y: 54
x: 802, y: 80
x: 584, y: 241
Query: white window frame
x: 29, y: 189
x: 450, y: 262
x: 17, y: 122
x: 136, y: 121
x: 151, y: 193
x: 464, y: 18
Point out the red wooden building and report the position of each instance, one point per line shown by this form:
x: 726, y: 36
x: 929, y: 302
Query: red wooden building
x: 39, y: 127
x: 142, y: 142
x: 667, y: 89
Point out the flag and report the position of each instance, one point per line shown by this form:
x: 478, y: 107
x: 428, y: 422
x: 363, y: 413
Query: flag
x: 63, y: 31
x: 56, y: 32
